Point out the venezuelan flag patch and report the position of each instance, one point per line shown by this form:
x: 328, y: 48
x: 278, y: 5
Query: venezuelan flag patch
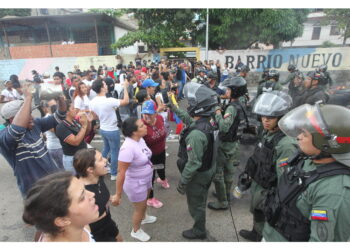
x: 283, y: 162
x: 319, y: 215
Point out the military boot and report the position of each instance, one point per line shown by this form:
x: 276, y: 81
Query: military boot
x: 217, y: 205
x: 250, y: 235
x: 189, y: 234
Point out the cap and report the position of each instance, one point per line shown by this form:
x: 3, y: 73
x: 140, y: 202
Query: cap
x: 148, y: 107
x: 149, y: 83
x: 46, y: 74
x: 10, y: 109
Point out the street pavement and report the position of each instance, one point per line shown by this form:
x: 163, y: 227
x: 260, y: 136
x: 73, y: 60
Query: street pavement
x: 172, y: 218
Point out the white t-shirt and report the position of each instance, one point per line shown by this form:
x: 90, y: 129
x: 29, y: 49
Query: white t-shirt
x: 81, y: 103
x: 163, y: 114
x: 118, y: 87
x: 10, y: 95
x: 52, y: 142
x: 104, y: 109
x: 92, y: 93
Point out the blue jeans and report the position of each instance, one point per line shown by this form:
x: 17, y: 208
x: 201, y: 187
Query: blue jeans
x: 68, y: 163
x: 181, y: 86
x: 111, y: 144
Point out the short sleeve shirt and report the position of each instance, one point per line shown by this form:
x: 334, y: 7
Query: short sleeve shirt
x: 138, y: 155
x: 81, y: 103
x: 63, y: 131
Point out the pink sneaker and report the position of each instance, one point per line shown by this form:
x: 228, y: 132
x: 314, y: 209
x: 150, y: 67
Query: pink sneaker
x: 164, y: 183
x: 154, y: 203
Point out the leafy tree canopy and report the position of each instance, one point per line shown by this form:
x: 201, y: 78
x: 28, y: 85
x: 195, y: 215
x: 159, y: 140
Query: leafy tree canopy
x: 14, y: 12
x: 229, y: 28
x: 341, y: 18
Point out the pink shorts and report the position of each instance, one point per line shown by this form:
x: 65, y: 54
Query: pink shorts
x: 137, y: 188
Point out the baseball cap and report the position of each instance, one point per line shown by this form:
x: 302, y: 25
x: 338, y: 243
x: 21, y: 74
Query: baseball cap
x: 148, y: 107
x: 149, y: 83
x: 10, y: 109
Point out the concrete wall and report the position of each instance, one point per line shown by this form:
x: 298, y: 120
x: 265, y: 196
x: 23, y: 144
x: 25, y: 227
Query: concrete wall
x: 43, y: 51
x: 306, y: 59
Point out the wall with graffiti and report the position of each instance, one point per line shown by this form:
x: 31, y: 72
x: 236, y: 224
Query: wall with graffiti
x: 306, y: 59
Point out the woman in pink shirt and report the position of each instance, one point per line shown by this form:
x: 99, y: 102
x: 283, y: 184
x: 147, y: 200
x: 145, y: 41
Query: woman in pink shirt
x: 135, y: 175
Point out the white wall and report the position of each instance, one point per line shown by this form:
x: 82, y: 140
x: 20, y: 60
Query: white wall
x: 119, y: 32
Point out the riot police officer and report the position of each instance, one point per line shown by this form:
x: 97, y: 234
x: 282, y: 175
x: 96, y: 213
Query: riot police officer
x: 314, y: 92
x: 267, y: 161
x: 264, y: 76
x: 296, y: 88
x: 228, y: 122
x: 312, y: 199
x: 271, y: 83
x: 201, y: 77
x: 292, y: 69
x: 196, y: 154
x: 326, y: 79
x: 212, y: 84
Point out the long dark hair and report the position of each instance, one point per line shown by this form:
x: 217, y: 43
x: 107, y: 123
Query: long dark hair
x: 83, y: 159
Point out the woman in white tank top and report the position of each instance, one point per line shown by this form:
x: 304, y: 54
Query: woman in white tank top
x: 72, y: 208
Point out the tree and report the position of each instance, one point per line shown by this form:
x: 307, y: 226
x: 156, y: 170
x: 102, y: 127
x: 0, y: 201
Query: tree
x: 160, y: 27
x: 341, y: 18
x: 229, y: 28
x: 240, y: 28
x: 14, y: 12
x: 109, y: 12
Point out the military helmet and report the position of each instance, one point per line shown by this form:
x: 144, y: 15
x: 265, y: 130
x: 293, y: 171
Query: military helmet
x: 201, y: 69
x: 291, y: 67
x: 329, y: 125
x: 201, y: 99
x: 274, y: 103
x: 237, y: 84
x: 273, y: 74
x: 322, y: 68
x: 299, y: 74
x: 243, y: 68
x: 212, y: 75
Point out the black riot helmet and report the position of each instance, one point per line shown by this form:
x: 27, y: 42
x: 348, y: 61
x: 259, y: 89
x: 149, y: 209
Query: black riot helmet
x: 201, y: 99
x: 243, y: 68
x: 212, y: 75
x: 299, y: 74
x: 322, y: 68
x: 291, y: 68
x: 273, y: 74
x: 273, y: 104
x: 265, y: 73
x: 237, y: 84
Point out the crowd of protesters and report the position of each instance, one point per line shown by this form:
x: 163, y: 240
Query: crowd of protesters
x: 133, y: 98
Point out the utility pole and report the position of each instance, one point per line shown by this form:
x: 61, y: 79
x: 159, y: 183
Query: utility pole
x: 207, y: 36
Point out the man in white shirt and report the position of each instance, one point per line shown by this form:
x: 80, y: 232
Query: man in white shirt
x: 88, y: 80
x: 9, y: 94
x: 104, y: 109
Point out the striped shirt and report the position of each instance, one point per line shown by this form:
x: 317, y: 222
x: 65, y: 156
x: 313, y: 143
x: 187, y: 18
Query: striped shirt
x: 26, y: 152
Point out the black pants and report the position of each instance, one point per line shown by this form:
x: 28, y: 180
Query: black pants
x: 157, y: 159
x: 104, y: 230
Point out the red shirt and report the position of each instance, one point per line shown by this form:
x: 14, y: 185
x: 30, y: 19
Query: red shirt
x: 156, y: 136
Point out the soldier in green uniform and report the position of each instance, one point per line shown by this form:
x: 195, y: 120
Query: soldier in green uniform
x: 312, y: 199
x: 228, y: 122
x: 266, y: 163
x: 292, y: 69
x: 196, y: 152
x: 264, y: 76
x: 271, y: 83
x: 201, y: 77
x: 326, y: 81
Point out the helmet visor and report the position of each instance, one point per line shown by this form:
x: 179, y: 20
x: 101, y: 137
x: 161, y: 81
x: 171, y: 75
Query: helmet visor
x: 275, y: 103
x: 303, y: 118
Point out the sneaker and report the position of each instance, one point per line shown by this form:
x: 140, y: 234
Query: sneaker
x: 164, y: 183
x: 153, y: 202
x: 148, y: 219
x: 140, y: 235
x: 113, y: 177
